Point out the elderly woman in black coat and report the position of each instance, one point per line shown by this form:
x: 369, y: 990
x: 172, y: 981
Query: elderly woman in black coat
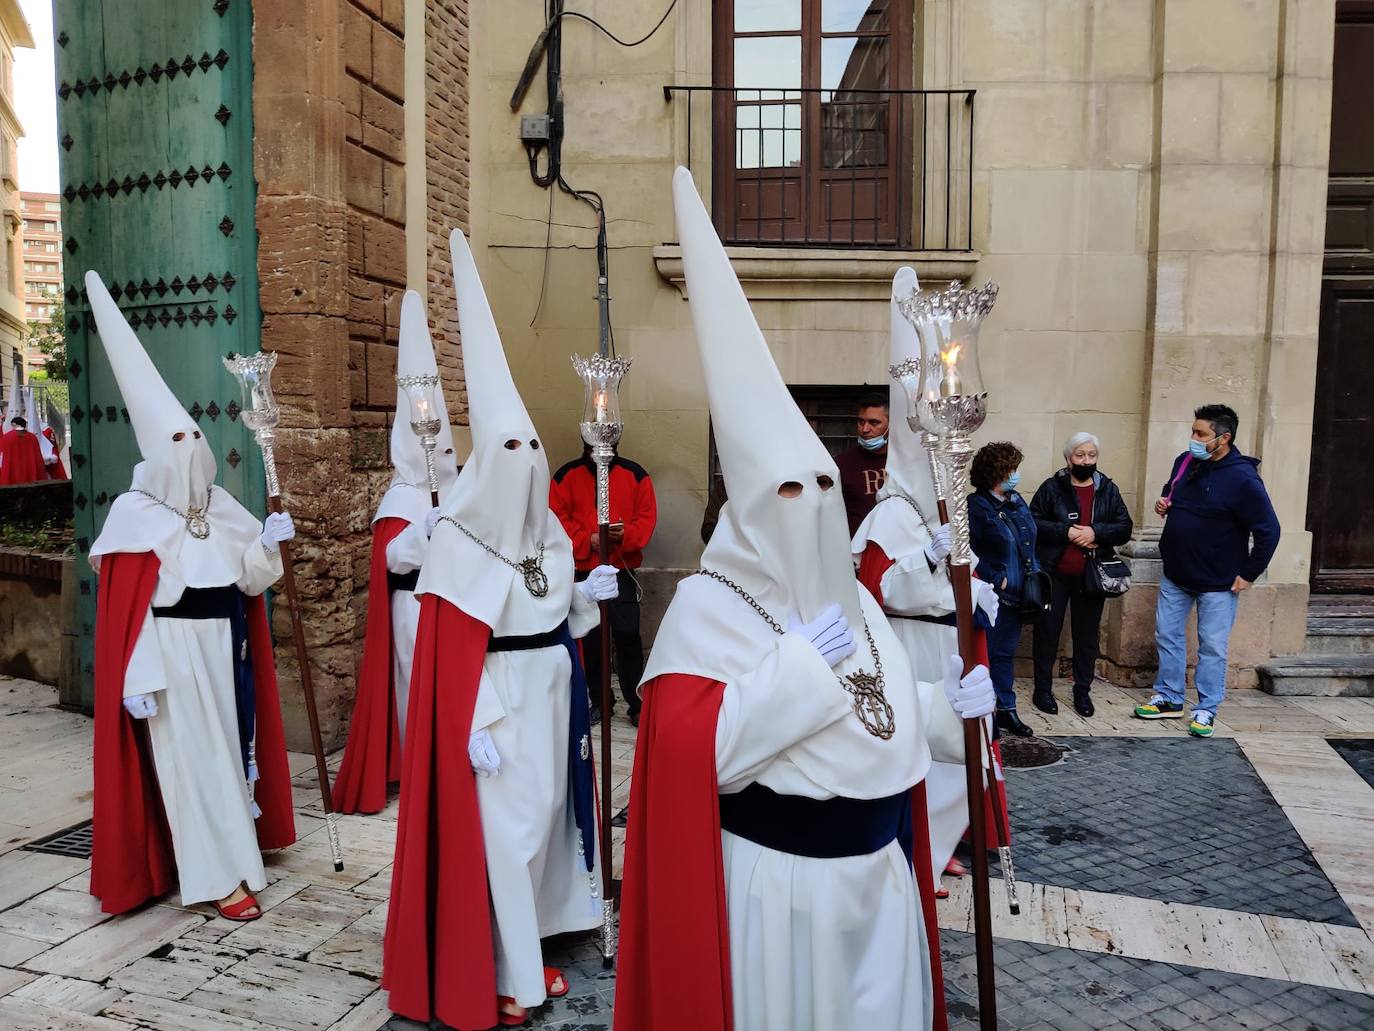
x: 1078, y: 512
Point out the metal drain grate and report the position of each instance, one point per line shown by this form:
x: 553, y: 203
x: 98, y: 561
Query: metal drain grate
x: 1027, y: 753
x: 74, y: 842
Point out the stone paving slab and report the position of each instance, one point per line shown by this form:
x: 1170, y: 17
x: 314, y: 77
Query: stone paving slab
x: 1174, y: 819
x: 1046, y: 988
x: 1359, y: 753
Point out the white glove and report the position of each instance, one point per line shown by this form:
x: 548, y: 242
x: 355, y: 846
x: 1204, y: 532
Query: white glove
x: 141, y: 706
x: 828, y: 633
x: 276, y: 528
x: 431, y: 521
x: 940, y: 545
x: 985, y: 597
x: 601, y: 584
x: 971, y: 696
x: 483, y: 755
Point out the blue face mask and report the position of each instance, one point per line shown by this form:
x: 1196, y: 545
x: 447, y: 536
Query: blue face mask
x: 874, y: 443
x: 1198, y: 449
x: 1011, y: 481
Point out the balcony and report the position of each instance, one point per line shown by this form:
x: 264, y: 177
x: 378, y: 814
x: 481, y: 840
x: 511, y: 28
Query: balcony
x: 823, y: 194
x: 847, y: 168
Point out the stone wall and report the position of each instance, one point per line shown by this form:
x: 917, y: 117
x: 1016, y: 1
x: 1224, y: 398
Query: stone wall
x: 31, y: 622
x: 327, y: 101
x: 1148, y: 188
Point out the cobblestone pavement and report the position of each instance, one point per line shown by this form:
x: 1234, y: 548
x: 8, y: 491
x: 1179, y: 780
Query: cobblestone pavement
x: 1044, y: 988
x: 1359, y: 754
x: 1119, y: 816
x: 1083, y: 953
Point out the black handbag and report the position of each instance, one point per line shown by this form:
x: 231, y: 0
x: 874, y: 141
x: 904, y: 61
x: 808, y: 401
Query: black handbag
x: 1105, y: 578
x: 1035, y: 594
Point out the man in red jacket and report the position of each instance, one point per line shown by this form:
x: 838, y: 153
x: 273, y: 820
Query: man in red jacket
x: 572, y: 496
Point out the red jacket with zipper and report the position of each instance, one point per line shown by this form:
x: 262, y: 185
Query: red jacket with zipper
x: 572, y: 496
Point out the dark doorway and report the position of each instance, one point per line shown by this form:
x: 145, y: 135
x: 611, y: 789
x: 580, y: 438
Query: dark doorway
x: 1343, y: 422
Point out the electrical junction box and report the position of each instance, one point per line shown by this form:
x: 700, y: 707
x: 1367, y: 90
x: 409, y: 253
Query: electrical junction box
x: 534, y: 128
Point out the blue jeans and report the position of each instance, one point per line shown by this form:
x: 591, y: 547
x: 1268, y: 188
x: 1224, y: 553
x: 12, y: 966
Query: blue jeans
x: 1216, y: 612
x: 1002, y: 641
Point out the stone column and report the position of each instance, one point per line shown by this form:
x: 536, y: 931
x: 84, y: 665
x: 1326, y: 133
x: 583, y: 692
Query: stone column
x: 1242, y: 88
x: 330, y: 215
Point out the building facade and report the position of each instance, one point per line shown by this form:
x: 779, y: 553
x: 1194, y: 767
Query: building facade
x: 42, y: 261
x: 14, y: 33
x: 1146, y: 179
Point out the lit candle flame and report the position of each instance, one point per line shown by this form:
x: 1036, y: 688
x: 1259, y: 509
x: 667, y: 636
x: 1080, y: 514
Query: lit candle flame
x: 951, y: 385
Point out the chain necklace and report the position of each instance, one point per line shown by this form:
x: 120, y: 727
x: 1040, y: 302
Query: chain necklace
x: 922, y: 517
x: 197, y: 523
x: 532, y: 569
x: 870, y: 704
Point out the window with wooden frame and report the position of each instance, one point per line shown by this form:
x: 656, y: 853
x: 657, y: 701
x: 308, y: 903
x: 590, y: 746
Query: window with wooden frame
x: 813, y: 122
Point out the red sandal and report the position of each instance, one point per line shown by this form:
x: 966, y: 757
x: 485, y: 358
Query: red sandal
x: 238, y: 911
x: 552, y: 974
x: 510, y: 1019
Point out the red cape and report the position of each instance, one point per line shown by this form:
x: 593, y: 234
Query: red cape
x: 56, y: 471
x: 437, y: 958
x: 21, y: 458
x: 131, y: 861
x: 674, y: 967
x: 372, y: 757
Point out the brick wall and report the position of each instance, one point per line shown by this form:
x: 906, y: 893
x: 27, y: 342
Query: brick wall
x: 373, y: 86
x: 447, y: 169
x: 329, y: 160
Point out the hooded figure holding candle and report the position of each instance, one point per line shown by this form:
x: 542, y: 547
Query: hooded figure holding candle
x: 401, y: 530
x: 496, y: 837
x: 191, y: 779
x: 768, y: 872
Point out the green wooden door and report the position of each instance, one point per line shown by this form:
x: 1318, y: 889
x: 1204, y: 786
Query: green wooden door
x: 155, y: 126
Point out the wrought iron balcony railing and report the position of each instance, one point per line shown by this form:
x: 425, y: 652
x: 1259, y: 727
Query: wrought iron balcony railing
x: 835, y: 167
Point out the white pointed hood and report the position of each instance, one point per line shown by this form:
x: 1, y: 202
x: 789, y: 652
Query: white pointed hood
x: 501, y: 496
x: 14, y: 405
x: 896, y: 527
x: 178, y: 473
x: 37, y: 425
x: 408, y: 495
x: 791, y: 554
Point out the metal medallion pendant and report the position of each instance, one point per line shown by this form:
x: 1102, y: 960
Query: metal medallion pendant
x: 871, y: 705
x: 535, y: 580
x: 196, y: 523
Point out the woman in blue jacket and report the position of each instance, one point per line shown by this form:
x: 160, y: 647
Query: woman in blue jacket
x: 1002, y: 533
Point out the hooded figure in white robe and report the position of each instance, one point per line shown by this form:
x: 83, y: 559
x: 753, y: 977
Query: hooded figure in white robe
x: 903, y: 537
x: 185, y: 677
x: 775, y: 669
x: 400, y: 541
x: 495, y: 656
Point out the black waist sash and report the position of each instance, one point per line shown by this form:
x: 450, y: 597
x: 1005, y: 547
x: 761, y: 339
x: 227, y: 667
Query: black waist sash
x: 817, y: 828
x: 948, y: 619
x: 529, y: 642
x: 225, y: 603
x: 403, y: 581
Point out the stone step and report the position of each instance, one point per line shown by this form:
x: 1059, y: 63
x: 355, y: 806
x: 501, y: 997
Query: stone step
x: 1343, y: 635
x: 1328, y: 676
x: 1340, y: 606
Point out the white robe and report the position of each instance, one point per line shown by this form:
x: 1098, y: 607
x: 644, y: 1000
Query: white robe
x: 911, y: 587
x: 815, y: 944
x: 536, y: 871
x: 405, y: 554
x: 187, y: 665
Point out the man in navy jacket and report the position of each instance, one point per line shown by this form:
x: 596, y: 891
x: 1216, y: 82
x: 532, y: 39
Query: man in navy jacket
x: 1220, y: 532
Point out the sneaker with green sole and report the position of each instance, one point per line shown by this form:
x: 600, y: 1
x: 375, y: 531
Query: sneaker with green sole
x: 1157, y: 708
x: 1201, y: 724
